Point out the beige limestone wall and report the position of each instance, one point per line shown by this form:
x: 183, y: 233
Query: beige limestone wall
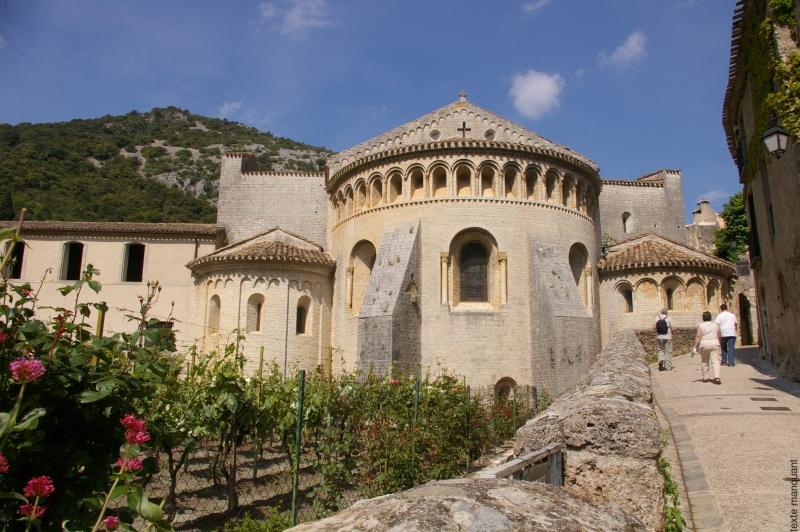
x: 484, y: 342
x: 693, y: 293
x: 281, y: 289
x: 164, y: 261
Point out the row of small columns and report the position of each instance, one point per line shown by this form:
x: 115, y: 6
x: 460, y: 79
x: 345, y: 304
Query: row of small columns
x: 549, y: 187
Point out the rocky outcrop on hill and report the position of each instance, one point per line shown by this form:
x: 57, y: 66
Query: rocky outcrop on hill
x: 478, y: 504
x: 609, y: 426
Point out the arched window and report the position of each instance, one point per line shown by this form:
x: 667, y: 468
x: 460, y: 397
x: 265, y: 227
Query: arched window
x: 463, y: 181
x: 550, y: 185
x: 416, y: 182
x: 362, y: 260
x: 213, y: 314
x: 626, y: 222
x: 673, y: 294
x: 255, y: 304
x: 376, y: 193
x: 361, y: 197
x: 532, y: 183
x: 510, y: 182
x: 578, y: 259
x: 134, y: 263
x: 301, y: 324
x: 695, y: 296
x: 487, y: 181
x: 474, y: 272
x: 567, y: 188
x: 395, y: 186
x: 439, y: 178
x: 625, y: 298
x: 647, y: 299
x: 712, y: 296
x: 72, y: 261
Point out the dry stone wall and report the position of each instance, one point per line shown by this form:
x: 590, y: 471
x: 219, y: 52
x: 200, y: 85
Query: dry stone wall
x: 609, y: 426
x: 478, y: 504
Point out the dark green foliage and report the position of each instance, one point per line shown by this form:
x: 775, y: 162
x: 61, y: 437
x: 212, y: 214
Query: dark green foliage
x: 7, y: 206
x: 783, y: 11
x: 102, y: 169
x: 736, y: 227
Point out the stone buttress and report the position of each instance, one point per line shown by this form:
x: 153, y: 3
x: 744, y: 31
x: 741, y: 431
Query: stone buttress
x: 389, y: 323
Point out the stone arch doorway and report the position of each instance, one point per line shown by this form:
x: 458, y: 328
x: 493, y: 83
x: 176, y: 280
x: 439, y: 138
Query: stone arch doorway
x: 745, y: 323
x: 505, y: 389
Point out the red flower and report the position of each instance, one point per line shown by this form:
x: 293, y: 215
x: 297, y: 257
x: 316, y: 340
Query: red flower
x: 132, y: 436
x: 3, y: 463
x: 39, y: 487
x: 3, y: 337
x: 111, y: 522
x: 26, y: 369
x: 27, y: 510
x: 129, y: 464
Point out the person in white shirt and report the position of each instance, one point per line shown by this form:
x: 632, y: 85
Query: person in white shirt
x: 662, y: 326
x: 727, y: 331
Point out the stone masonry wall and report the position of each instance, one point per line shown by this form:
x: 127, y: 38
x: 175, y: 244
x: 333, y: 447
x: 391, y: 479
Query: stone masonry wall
x: 609, y: 426
x: 653, y: 209
x: 251, y: 202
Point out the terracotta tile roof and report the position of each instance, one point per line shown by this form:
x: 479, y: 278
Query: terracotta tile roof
x: 118, y: 227
x: 654, y: 251
x: 262, y: 249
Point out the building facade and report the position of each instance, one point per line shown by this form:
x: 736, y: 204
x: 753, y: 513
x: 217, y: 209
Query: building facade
x: 459, y: 242
x: 770, y: 181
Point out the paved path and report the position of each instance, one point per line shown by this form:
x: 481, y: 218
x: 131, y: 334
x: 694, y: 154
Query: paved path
x: 734, y: 442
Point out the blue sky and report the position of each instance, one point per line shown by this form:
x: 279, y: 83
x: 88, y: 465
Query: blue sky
x: 635, y: 85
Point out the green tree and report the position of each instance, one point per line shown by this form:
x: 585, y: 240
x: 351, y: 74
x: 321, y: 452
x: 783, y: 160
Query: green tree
x: 7, y: 206
x: 736, y: 229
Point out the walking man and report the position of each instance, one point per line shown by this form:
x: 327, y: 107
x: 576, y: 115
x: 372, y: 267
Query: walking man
x: 727, y: 330
x: 662, y: 326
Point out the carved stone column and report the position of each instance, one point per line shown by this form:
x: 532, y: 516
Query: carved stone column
x: 502, y: 263
x: 349, y: 287
x: 444, y: 261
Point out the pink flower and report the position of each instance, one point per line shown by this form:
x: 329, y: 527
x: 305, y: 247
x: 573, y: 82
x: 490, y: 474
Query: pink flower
x: 27, y: 510
x: 136, y: 429
x: 39, y: 487
x: 131, y: 422
x: 26, y: 369
x: 111, y: 522
x: 129, y: 464
x: 3, y: 463
x: 132, y: 436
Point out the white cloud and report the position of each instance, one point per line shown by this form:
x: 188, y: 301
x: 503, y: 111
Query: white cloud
x: 3, y: 42
x: 229, y: 108
x: 714, y: 196
x: 295, y: 18
x: 628, y: 53
x: 534, y: 6
x: 535, y: 93
x: 268, y: 10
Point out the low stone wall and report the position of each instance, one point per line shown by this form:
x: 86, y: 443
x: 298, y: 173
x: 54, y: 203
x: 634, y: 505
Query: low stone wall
x: 478, y: 504
x: 609, y: 426
x: 682, y: 340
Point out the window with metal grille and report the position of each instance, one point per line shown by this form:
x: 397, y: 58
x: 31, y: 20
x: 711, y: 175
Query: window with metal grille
x: 474, y: 266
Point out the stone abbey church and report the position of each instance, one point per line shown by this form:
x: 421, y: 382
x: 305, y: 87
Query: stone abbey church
x: 459, y: 242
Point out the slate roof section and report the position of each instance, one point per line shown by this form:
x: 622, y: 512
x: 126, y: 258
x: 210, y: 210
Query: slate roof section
x: 655, y: 251
x: 138, y: 228
x: 270, y: 247
x: 442, y: 118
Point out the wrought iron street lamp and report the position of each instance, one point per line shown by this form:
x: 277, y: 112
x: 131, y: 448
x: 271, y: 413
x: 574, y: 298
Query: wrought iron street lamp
x: 775, y: 139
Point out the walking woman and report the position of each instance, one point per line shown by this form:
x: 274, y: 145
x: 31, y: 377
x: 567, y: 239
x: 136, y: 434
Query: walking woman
x: 707, y: 342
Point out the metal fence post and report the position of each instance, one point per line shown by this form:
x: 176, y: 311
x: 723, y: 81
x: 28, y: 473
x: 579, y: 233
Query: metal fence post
x: 301, y: 388
x: 416, y: 399
x: 468, y: 434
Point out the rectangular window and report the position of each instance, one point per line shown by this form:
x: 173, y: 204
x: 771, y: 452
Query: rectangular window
x: 18, y: 255
x: 72, y: 261
x: 134, y: 263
